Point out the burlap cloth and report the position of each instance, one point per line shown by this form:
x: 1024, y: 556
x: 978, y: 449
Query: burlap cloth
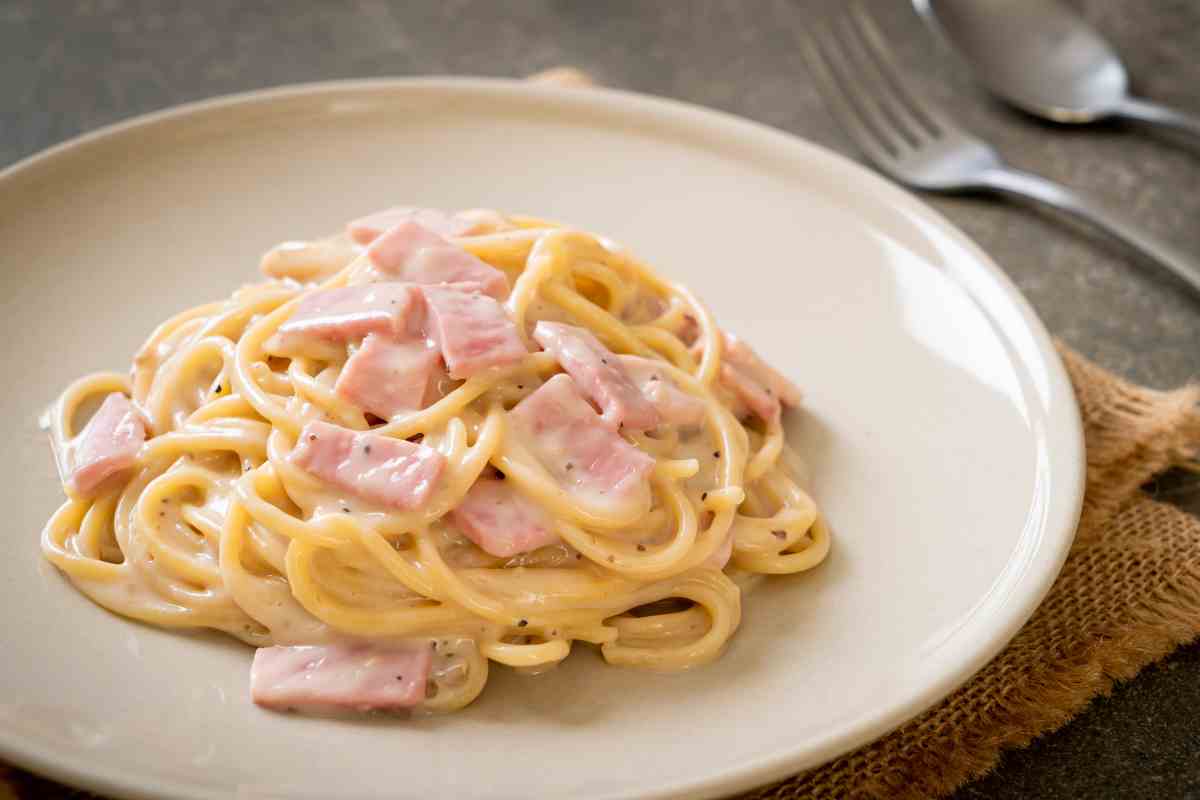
x: 1128, y: 595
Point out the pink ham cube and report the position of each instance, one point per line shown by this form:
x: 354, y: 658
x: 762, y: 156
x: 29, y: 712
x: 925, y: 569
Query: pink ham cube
x: 385, y: 377
x: 755, y: 383
x: 599, y: 373
x: 365, y: 230
x: 107, y: 445
x: 674, y: 405
x: 380, y: 469
x: 585, y: 456
x: 411, y: 252
x: 341, y: 677
x: 349, y: 313
x: 472, y: 329
x: 501, y: 520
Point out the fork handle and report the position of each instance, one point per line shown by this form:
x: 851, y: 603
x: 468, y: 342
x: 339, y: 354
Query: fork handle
x: 1034, y: 187
x: 1141, y: 110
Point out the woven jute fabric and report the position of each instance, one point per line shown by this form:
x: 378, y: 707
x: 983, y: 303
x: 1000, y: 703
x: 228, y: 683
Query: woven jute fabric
x: 1128, y: 595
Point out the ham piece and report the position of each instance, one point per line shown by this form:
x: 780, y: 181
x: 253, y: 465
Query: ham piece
x: 501, y: 520
x: 107, y: 445
x: 472, y: 329
x: 599, y: 374
x: 380, y: 469
x: 411, y: 252
x: 386, y: 377
x: 674, y: 406
x: 341, y: 677
x: 755, y: 383
x: 347, y: 314
x: 365, y: 230
x: 586, y: 457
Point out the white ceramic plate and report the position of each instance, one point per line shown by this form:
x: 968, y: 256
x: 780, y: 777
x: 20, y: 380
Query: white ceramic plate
x: 940, y: 430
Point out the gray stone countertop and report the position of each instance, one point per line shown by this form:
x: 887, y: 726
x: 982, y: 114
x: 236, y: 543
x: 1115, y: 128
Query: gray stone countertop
x: 68, y: 67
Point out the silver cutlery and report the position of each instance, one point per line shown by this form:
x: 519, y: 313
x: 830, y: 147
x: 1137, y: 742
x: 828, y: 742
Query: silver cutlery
x: 1042, y: 57
x: 916, y: 144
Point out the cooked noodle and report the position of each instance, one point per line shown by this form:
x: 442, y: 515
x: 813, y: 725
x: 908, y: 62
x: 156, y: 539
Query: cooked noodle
x: 215, y: 526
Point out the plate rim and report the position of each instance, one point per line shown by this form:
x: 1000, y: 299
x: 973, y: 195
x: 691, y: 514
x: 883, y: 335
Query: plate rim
x: 1054, y: 543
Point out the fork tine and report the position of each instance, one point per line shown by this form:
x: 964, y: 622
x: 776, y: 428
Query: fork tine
x: 822, y: 53
x: 867, y: 89
x: 906, y: 104
x: 871, y: 87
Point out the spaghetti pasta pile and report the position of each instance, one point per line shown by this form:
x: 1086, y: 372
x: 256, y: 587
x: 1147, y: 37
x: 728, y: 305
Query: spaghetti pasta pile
x: 215, y: 524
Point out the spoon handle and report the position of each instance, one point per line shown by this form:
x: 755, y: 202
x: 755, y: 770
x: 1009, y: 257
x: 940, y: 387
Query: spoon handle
x: 1145, y: 111
x: 1034, y: 187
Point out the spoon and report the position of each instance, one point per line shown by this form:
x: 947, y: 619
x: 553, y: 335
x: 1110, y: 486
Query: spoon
x: 1042, y: 57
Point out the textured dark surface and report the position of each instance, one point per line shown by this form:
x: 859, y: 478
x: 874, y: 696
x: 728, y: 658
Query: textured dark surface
x: 68, y: 67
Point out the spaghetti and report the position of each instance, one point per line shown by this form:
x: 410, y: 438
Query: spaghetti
x: 217, y: 522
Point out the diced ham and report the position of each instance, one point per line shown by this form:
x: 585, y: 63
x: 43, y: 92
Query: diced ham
x: 347, y: 314
x: 756, y: 385
x: 598, y: 372
x: 472, y: 329
x: 341, y: 677
x: 741, y: 355
x: 674, y: 406
x: 365, y: 230
x: 380, y: 469
x: 107, y: 445
x: 751, y: 396
x: 501, y: 520
x: 586, y: 457
x: 412, y: 252
x: 386, y: 376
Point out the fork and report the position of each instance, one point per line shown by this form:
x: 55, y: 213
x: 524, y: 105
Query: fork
x: 918, y: 145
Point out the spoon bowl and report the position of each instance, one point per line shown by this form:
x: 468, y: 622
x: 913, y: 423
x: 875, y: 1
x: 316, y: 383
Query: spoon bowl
x: 1042, y: 57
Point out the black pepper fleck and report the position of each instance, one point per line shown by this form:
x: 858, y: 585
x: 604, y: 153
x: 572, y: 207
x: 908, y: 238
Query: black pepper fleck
x: 520, y: 386
x: 641, y: 548
x: 570, y: 466
x: 367, y: 449
x: 345, y: 509
x: 312, y: 437
x: 579, y: 556
x: 399, y: 677
x: 716, y: 453
x: 521, y: 623
x: 779, y: 534
x: 703, y: 496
